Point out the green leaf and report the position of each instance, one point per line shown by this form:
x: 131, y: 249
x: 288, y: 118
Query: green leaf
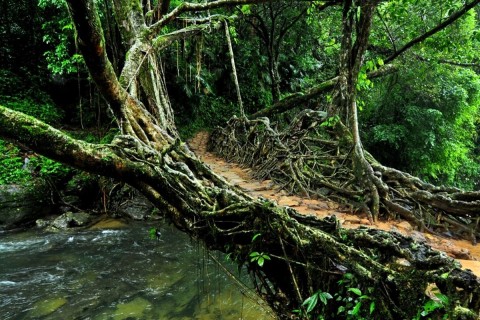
x: 372, y: 307
x: 260, y: 261
x: 430, y: 306
x: 443, y: 298
x: 324, y: 296
x: 310, y: 302
x: 153, y: 233
x: 356, y: 310
x: 68, y: 27
x: 356, y: 291
x: 246, y: 9
x: 256, y: 236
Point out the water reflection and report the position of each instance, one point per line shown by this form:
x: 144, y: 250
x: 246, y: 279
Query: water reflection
x: 115, y: 274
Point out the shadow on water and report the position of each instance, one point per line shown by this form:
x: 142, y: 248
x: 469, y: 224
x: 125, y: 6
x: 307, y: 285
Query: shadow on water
x: 117, y: 274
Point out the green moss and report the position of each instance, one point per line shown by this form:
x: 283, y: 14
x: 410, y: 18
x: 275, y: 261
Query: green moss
x: 46, y: 307
x: 136, y: 308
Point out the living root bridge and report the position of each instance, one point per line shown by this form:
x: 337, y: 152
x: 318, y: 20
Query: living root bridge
x: 306, y: 255
x: 313, y: 156
x: 309, y: 256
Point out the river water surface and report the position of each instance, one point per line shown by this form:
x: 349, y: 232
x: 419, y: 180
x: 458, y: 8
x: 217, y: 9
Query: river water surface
x: 116, y: 274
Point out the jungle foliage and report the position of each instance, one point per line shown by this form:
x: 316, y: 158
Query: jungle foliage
x: 424, y: 118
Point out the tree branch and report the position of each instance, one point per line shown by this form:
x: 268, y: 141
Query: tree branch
x: 54, y: 144
x: 163, y: 41
x: 455, y: 16
x: 261, y: 28
x: 450, y: 62
x: 387, y: 29
x: 284, y: 29
x: 192, y: 7
x: 298, y: 98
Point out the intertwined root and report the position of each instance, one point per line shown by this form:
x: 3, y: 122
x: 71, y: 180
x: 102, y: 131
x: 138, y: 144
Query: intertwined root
x: 314, y: 157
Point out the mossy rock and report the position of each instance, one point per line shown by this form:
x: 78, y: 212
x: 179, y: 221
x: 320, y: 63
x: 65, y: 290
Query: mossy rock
x: 24, y: 204
x: 45, y: 307
x: 70, y: 219
x: 135, y: 309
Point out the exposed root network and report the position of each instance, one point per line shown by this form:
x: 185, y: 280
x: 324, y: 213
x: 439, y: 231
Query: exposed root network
x: 314, y: 157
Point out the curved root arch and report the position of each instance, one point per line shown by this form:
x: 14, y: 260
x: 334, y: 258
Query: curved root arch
x: 313, y: 157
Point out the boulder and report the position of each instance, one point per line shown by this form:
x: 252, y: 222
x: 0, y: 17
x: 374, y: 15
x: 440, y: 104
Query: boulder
x: 137, y: 208
x: 23, y: 204
x: 69, y: 220
x: 129, y: 203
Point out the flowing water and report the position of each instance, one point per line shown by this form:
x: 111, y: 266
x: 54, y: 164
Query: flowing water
x: 116, y: 274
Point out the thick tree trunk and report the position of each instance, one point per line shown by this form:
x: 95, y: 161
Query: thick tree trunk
x: 356, y: 21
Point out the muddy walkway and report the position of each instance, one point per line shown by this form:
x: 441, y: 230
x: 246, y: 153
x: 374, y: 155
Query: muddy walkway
x: 467, y: 253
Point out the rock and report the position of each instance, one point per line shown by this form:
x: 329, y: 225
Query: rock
x: 108, y: 224
x: 418, y: 236
x: 365, y: 221
x: 70, y: 219
x: 461, y: 253
x: 131, y: 204
x: 405, y: 225
x: 135, y: 309
x: 80, y: 219
x: 24, y: 204
x: 61, y: 222
x: 137, y: 208
x: 46, y: 307
x: 42, y: 223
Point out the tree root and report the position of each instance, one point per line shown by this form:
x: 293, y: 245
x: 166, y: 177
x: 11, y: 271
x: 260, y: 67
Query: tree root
x: 313, y: 157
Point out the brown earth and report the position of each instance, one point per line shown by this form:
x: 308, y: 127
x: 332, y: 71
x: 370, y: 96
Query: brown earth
x: 462, y: 250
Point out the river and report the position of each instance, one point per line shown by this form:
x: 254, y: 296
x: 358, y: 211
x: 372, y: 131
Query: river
x: 118, y: 273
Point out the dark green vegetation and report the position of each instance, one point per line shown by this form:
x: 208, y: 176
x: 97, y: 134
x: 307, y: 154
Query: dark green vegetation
x: 399, y: 77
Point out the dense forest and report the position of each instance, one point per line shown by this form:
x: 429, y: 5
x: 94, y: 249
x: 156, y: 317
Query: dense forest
x: 373, y: 104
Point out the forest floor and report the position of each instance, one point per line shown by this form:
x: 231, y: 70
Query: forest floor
x: 462, y: 250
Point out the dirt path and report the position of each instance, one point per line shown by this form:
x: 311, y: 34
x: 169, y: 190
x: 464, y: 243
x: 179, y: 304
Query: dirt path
x: 464, y: 251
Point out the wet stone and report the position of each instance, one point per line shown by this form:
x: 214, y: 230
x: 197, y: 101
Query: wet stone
x: 69, y: 220
x: 45, y: 307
